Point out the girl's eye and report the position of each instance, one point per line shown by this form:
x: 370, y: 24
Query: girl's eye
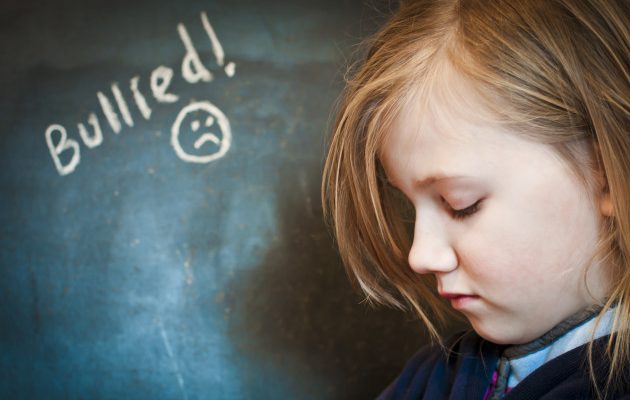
x: 465, y: 212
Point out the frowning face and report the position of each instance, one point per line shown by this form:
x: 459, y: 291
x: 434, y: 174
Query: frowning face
x: 505, y: 227
x: 201, y: 133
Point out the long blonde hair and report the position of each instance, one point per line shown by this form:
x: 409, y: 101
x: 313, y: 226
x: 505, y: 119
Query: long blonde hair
x: 562, y: 69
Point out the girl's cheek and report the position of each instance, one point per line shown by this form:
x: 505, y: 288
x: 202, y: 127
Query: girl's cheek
x: 493, y: 241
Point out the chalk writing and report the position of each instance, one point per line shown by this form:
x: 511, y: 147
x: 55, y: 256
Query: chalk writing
x: 193, y: 69
x: 216, y: 46
x: 62, y: 145
x: 160, y: 80
x: 97, y: 138
x: 211, y: 144
x: 141, y: 102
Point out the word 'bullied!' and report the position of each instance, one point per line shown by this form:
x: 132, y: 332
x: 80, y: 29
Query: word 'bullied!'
x: 193, y: 71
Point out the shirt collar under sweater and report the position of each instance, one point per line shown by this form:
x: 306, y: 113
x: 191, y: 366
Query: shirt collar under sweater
x: 521, y: 366
x: 517, y: 362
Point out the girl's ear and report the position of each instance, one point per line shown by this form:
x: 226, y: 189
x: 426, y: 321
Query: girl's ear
x: 605, y: 201
x: 605, y: 204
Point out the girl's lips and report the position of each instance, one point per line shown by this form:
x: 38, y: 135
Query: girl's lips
x: 449, y: 295
x: 459, y: 301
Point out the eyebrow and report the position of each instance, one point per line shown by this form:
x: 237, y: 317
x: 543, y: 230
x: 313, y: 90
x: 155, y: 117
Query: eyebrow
x: 430, y: 180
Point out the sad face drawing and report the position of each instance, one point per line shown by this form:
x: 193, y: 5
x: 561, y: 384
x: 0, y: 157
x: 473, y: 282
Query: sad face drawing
x: 201, y: 133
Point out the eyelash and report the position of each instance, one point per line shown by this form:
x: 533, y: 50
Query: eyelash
x: 465, y: 212
x: 456, y: 214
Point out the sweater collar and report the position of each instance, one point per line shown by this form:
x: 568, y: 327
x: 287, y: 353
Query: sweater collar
x: 574, y: 332
x: 518, y: 361
x: 569, y: 324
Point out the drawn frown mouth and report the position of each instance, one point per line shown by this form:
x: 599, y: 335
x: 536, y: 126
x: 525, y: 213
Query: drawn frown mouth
x: 206, y: 136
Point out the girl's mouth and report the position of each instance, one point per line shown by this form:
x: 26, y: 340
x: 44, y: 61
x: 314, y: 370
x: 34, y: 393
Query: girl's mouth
x: 459, y: 300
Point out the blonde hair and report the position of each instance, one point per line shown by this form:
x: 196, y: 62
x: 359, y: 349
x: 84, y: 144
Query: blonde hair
x: 562, y: 69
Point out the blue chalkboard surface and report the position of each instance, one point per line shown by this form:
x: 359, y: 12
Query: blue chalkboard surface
x: 161, y: 234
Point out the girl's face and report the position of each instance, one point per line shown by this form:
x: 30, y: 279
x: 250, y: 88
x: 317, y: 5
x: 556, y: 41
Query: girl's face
x: 512, y: 258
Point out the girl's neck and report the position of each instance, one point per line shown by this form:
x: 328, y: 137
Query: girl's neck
x: 554, y: 334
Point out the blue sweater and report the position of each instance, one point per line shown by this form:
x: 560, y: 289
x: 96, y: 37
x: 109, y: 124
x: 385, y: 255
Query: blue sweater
x: 465, y: 372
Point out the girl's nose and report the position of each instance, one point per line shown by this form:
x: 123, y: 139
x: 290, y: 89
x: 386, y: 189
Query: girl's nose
x: 431, y: 251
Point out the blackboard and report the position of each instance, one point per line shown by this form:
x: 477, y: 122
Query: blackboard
x: 161, y: 234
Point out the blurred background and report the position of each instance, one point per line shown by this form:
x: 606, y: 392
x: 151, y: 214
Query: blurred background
x: 161, y: 234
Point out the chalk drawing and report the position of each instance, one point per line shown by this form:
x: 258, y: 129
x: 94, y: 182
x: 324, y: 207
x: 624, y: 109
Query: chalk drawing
x: 169, y: 351
x: 63, y: 145
x: 189, y: 273
x: 215, y: 139
x: 210, y: 114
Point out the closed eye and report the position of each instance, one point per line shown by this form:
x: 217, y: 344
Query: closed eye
x: 464, y: 212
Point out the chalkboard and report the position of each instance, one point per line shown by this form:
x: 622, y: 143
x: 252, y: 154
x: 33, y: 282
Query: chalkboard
x: 161, y: 233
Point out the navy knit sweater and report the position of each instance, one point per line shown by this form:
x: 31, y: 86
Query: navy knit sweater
x: 465, y: 372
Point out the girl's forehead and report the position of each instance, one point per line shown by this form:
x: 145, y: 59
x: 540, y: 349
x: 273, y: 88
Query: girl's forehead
x: 449, y: 95
x: 445, y: 107
x: 447, y: 126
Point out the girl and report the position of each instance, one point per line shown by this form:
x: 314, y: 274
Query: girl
x: 481, y: 157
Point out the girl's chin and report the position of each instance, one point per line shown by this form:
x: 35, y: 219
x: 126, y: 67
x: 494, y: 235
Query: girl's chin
x: 498, y: 333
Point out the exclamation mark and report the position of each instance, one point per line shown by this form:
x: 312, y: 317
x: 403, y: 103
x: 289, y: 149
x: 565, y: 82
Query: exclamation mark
x: 216, y: 47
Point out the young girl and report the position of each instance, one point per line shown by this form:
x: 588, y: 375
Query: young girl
x: 480, y: 162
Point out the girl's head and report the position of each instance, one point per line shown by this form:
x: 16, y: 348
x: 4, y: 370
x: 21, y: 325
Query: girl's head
x: 498, y: 217
x: 528, y: 101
